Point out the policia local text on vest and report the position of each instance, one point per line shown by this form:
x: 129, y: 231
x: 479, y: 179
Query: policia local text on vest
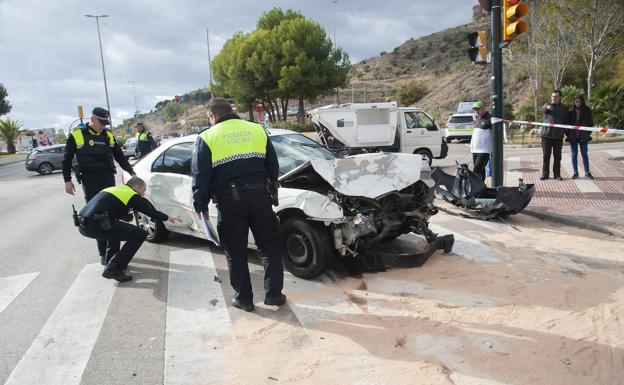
x: 94, y: 148
x: 235, y: 164
x: 100, y: 219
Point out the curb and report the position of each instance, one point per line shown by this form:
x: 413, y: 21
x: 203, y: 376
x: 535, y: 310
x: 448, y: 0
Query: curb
x: 573, y: 222
x: 14, y: 159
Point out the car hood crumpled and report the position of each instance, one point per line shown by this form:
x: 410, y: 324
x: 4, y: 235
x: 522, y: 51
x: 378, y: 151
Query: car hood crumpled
x: 366, y: 175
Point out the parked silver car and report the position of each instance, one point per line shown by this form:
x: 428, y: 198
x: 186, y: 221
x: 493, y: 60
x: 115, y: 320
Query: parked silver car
x: 129, y: 148
x: 45, y: 159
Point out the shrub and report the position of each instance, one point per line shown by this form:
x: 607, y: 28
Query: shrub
x: 569, y: 93
x: 608, y: 104
x: 292, y: 126
x: 411, y: 92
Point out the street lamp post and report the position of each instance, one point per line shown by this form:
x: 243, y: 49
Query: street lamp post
x: 209, y: 61
x: 97, y: 21
x: 335, y: 46
x: 136, y: 109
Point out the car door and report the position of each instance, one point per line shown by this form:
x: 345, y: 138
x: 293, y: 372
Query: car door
x: 421, y: 132
x: 169, y: 187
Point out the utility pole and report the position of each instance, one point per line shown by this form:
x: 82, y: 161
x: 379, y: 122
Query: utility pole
x: 335, y: 45
x: 209, y: 61
x: 496, y: 161
x: 97, y: 21
x: 136, y: 109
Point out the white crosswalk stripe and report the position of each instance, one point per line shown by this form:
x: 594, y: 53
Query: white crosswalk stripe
x: 11, y: 287
x: 196, y: 316
x: 61, y: 351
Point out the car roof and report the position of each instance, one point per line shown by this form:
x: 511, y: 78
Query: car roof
x: 50, y: 146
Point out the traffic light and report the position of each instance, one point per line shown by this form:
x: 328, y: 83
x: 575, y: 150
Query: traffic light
x: 513, y: 10
x: 478, y: 51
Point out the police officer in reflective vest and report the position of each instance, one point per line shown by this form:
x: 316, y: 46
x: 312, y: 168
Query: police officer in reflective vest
x: 235, y: 164
x: 100, y: 219
x: 145, y: 141
x: 95, y: 148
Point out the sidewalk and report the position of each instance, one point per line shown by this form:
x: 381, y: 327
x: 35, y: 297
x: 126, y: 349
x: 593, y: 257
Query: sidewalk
x: 15, y: 158
x: 594, y: 204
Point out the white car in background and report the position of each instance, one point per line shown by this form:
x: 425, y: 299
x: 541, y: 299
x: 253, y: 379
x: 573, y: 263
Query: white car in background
x: 327, y: 206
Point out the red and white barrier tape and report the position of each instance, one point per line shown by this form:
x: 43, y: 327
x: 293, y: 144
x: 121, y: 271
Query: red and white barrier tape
x: 604, y: 130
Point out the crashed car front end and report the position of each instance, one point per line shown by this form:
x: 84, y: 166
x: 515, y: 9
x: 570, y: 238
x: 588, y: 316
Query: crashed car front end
x: 381, y: 197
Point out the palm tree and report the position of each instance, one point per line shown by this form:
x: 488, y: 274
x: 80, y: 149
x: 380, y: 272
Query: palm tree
x: 608, y: 103
x: 9, y: 132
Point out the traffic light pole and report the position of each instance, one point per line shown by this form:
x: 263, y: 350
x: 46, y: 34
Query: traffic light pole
x: 496, y: 160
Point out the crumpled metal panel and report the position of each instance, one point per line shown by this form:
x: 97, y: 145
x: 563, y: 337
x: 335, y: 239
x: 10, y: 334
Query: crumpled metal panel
x: 370, y: 175
x: 314, y: 205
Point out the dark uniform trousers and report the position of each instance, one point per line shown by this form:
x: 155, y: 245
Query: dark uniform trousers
x: 119, y: 231
x: 551, y: 145
x: 252, y: 211
x: 480, y: 162
x: 93, y: 183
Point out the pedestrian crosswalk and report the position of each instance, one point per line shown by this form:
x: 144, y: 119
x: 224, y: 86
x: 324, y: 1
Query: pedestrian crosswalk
x: 196, y: 316
x: 60, y: 352
x: 10, y: 287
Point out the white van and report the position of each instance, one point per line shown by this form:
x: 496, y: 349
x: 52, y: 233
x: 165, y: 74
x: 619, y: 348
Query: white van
x: 372, y: 127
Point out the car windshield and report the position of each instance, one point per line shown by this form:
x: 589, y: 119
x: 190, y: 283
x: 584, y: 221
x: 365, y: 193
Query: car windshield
x: 465, y: 108
x: 295, y: 149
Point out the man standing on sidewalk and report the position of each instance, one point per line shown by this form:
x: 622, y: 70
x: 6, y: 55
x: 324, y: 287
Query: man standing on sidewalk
x: 481, y: 141
x: 552, y: 137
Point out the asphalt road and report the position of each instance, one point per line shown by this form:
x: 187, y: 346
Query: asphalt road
x: 64, y: 324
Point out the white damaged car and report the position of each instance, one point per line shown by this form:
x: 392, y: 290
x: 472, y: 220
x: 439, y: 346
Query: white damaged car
x: 327, y: 206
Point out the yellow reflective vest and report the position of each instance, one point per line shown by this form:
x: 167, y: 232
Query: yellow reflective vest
x: 123, y: 193
x: 235, y: 139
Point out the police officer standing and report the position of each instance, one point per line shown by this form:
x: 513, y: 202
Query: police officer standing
x: 235, y: 164
x: 100, y: 219
x: 145, y: 141
x: 95, y: 148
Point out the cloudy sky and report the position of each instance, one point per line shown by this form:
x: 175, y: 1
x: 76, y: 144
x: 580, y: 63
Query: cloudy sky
x: 50, y: 61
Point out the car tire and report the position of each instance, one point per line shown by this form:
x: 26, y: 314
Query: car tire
x: 307, y: 247
x: 425, y: 152
x: 156, y: 230
x: 45, y: 168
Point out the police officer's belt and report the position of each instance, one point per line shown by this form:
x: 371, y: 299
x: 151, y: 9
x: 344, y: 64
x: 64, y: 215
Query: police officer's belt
x: 249, y: 186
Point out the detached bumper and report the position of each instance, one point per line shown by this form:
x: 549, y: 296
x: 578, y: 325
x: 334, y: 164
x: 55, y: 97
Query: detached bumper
x: 403, y: 253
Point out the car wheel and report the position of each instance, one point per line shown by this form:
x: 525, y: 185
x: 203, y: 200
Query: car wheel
x: 425, y: 153
x: 156, y: 230
x: 45, y: 168
x: 307, y: 248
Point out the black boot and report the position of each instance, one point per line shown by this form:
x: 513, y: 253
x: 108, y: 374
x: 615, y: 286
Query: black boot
x: 244, y: 305
x: 275, y: 301
x: 115, y: 272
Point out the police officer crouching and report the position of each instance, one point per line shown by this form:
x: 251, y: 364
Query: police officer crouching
x: 145, y: 141
x: 100, y: 219
x: 235, y: 163
x: 95, y: 148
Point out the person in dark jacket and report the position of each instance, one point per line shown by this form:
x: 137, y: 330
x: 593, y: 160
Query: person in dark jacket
x: 580, y: 115
x: 94, y: 147
x: 235, y: 164
x: 552, y: 137
x: 101, y: 216
x: 145, y: 141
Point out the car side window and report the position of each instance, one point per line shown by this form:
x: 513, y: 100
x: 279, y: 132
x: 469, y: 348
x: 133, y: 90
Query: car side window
x: 426, y: 121
x: 177, y: 159
x: 412, y: 121
x: 157, y: 166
